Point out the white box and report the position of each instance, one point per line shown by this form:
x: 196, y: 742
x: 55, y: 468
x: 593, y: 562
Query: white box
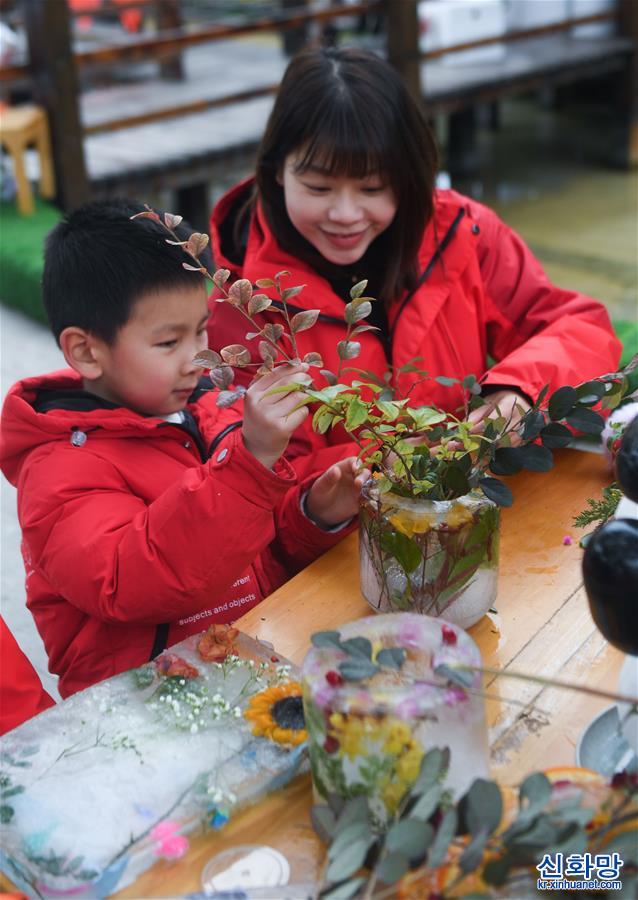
x: 444, y: 23
x: 580, y: 8
x: 524, y: 14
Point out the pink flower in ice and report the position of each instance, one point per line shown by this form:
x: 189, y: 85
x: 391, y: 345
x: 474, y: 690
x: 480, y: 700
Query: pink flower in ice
x: 410, y: 634
x: 567, y: 540
x: 169, y: 843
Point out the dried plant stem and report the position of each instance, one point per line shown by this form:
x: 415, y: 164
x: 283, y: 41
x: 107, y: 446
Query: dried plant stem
x: 550, y: 682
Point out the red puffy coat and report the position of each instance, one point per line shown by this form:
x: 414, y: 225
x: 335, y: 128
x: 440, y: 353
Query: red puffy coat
x: 21, y: 693
x: 482, y: 294
x: 134, y: 535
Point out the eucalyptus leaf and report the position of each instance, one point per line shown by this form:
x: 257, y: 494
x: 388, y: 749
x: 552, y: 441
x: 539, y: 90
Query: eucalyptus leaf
x: 323, y: 821
x: 355, y: 809
x: 496, y: 870
x: 462, y: 677
x: 348, y: 860
x: 357, y: 647
x: 410, y: 836
x: 343, y: 890
x: 444, y: 834
x: 392, y: 867
x: 484, y: 807
x: 357, y: 669
x: 391, y: 657
x: 326, y: 639
x: 426, y: 802
x: 472, y: 855
x: 354, y: 830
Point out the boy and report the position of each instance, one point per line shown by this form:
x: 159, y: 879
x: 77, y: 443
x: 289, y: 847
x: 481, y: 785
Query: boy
x: 148, y: 512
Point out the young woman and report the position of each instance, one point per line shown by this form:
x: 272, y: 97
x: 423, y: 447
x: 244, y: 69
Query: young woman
x: 344, y: 190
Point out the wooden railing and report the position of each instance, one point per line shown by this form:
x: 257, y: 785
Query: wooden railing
x: 53, y: 67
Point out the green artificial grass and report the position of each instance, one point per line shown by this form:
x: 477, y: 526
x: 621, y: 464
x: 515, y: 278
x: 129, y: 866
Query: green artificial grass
x: 21, y: 255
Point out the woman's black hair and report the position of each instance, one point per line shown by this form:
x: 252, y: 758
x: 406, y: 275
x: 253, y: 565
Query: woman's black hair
x: 349, y: 112
x: 98, y: 262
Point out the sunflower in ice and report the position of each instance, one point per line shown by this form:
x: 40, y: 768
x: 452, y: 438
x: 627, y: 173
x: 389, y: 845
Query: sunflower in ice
x: 277, y: 713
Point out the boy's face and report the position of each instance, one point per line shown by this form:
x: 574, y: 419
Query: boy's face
x: 149, y: 367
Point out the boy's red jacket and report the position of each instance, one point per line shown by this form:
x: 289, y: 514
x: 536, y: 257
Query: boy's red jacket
x: 131, y: 541
x: 483, y: 294
x: 21, y: 693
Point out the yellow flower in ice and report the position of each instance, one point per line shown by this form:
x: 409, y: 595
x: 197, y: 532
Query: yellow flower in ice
x: 459, y: 515
x: 351, y: 732
x: 409, y: 764
x: 410, y: 525
x: 277, y: 713
x: 397, y: 737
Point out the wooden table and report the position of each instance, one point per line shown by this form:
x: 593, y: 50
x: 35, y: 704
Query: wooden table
x: 543, y: 627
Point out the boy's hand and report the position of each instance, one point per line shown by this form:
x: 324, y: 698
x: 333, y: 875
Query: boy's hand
x: 269, y: 421
x: 334, y: 496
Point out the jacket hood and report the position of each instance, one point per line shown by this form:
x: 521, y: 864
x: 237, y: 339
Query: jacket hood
x: 51, y: 407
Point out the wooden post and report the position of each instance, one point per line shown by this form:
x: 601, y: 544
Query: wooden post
x: 403, y: 42
x: 628, y: 26
x: 294, y: 39
x: 55, y: 87
x: 169, y: 17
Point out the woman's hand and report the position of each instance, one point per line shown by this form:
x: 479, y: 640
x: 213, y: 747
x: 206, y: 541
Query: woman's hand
x: 508, y: 404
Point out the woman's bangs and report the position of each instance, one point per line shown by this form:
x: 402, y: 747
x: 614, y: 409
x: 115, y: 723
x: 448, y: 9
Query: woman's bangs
x: 346, y: 145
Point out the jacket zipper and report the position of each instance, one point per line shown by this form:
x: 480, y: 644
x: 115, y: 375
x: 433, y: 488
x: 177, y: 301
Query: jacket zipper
x: 428, y: 269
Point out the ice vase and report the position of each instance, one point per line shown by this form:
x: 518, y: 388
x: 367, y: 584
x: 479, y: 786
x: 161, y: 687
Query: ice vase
x: 435, y: 557
x: 369, y: 736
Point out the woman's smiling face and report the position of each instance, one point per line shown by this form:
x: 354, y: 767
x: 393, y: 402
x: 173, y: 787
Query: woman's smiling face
x: 339, y: 215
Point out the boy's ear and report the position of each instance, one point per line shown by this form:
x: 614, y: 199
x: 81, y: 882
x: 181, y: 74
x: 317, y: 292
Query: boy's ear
x: 81, y: 351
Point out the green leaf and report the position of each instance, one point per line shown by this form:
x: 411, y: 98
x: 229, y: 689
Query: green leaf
x: 343, y: 891
x: 496, y: 491
x: 291, y: 292
x: 536, y: 458
x: 507, y: 461
x: 555, y: 436
x: 348, y: 349
x: 496, y: 870
x: 445, y: 381
x: 6, y: 813
x: 590, y: 392
x: 433, y: 767
x: 357, y: 647
x: 561, y: 402
x: 323, y: 821
x: 404, y: 550
x: 326, y: 639
x: 302, y: 321
x: 484, y: 806
x: 330, y: 377
x: 535, y: 792
x: 358, y: 289
x: 410, y: 836
x: 357, y: 669
x: 356, y: 830
x: 444, y: 834
x: 356, y: 415
x: 392, y: 868
x: 533, y: 421
x: 426, y: 802
x: 354, y: 810
x: 349, y: 859
x: 455, y: 481
x: 391, y: 657
x: 586, y: 420
x: 462, y: 677
x: 472, y: 855
x: 357, y: 310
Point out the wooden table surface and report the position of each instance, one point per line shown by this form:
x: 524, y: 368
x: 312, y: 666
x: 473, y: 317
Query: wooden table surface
x: 542, y: 627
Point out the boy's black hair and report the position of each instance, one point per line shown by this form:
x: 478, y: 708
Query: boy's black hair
x: 98, y: 263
